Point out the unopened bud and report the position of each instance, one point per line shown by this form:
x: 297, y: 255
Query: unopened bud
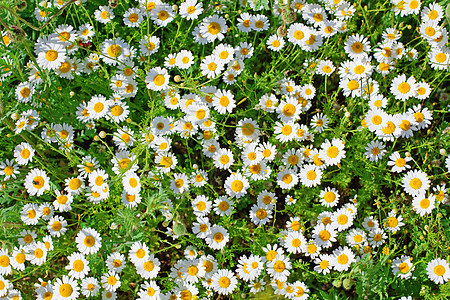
x: 443, y: 152
x: 15, y: 116
x: 177, y: 78
x: 72, y: 93
x: 102, y: 134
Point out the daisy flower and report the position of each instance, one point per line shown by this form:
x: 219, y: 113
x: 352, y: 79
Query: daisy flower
x: 138, y: 253
x: 223, y: 101
x: 268, y: 150
x: 279, y: 267
x: 294, y: 242
x: 57, y: 226
x: 201, y: 228
x: 157, y: 79
x: 329, y: 197
x: 260, y: 214
x: 149, y: 267
x: 319, y: 122
x: 190, y: 9
x: 184, y: 59
x: 103, y: 14
x: 324, y: 235
x: 132, y: 17
x: 213, y: 28
x: 438, y: 270
x: 398, y: 163
x: 286, y: 132
x: 67, y: 288
x: 211, y: 66
x: 342, y: 258
x: 180, y: 183
x: 439, y: 58
x: 89, y: 287
x: 98, y: 107
x: 403, y: 267
x: 393, y: 223
x: 259, y: 23
x: 162, y: 14
x: 38, y: 253
x: 375, y: 151
x: 415, y: 182
x: 18, y: 258
x: 88, y: 241
x: 287, y: 179
x: 78, y: 265
x: 218, y: 237
x: 149, y: 289
x: 423, y: 205
x: 110, y: 281
x: 23, y: 153
x: 342, y: 219
x: 236, y: 185
x: 5, y: 263
x: 422, y: 117
x: 224, y: 282
x: 356, y: 237
x: 323, y: 264
x: 275, y: 42
x: 223, y: 206
x: 403, y: 88
x: 244, y: 21
x: 223, y: 158
x: 310, y: 175
x: 51, y: 55
x: 9, y: 169
x: 37, y: 182
x: 63, y: 202
x: 357, y: 46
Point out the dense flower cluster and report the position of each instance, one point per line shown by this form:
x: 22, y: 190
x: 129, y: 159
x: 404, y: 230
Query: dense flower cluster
x: 246, y: 156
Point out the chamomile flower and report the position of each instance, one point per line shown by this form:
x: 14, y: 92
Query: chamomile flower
x: 439, y: 58
x: 342, y: 219
x: 423, y: 205
x: 110, y: 281
x: 132, y: 17
x: 149, y: 291
x: 51, y: 55
x: 162, y: 14
x: 67, y: 288
x: 223, y: 101
x: 324, y: 235
x: 319, y: 122
x: 357, y: 46
x: 38, y: 253
x: 223, y: 158
x: 275, y: 43
x: 18, y: 258
x: 415, y: 182
x: 356, y: 237
x: 393, y: 223
x: 403, y: 267
x: 9, y: 169
x: 211, y: 66
x: 224, y: 282
x: 375, y: 151
x: 310, y: 175
x: 279, y: 267
x: 57, y: 226
x: 89, y: 287
x: 323, y: 264
x: 398, y: 163
x: 260, y: 214
x: 329, y: 197
x: 78, y: 265
x: 438, y: 270
x: 88, y: 241
x: 37, y: 182
x: 244, y: 50
x: 422, y: 116
x: 403, y: 88
x: 236, y: 185
x: 190, y: 9
x: 294, y: 242
x: 157, y: 79
x: 286, y: 132
x: 218, y: 237
x: 342, y: 258
x: 213, y: 28
x: 287, y: 179
x: 98, y: 107
x: 23, y: 153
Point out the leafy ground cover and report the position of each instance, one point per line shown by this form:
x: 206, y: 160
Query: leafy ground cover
x: 251, y: 149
